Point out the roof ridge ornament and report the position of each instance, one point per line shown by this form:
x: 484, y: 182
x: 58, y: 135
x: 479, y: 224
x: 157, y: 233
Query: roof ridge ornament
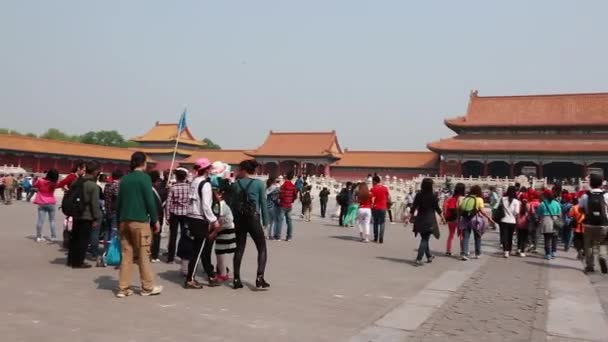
x: 473, y: 93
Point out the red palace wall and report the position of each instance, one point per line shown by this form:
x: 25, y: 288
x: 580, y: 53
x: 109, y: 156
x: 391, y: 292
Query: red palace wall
x: 360, y: 174
x: 64, y: 165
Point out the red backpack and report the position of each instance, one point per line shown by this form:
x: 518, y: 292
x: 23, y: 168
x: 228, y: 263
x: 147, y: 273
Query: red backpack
x: 451, y: 209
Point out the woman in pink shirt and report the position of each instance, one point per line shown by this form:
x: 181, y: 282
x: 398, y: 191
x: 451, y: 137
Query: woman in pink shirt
x: 45, y: 199
x: 364, y: 215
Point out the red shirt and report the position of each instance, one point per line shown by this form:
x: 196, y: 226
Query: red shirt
x: 366, y: 204
x: 287, y: 195
x: 67, y: 181
x: 380, y: 195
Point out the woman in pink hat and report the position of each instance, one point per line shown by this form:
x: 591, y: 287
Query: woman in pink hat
x: 201, y: 220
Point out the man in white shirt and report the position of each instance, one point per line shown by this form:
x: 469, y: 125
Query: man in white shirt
x: 596, y: 223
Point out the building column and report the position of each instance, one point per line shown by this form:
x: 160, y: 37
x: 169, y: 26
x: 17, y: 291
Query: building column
x: 19, y: 161
x: 37, y: 164
x: 279, y: 168
x: 511, y: 170
x: 585, y: 170
x: 485, y: 168
x: 540, y: 170
x: 327, y: 171
x: 459, y: 173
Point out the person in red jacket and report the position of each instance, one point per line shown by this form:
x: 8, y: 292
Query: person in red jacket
x: 77, y: 172
x: 287, y: 196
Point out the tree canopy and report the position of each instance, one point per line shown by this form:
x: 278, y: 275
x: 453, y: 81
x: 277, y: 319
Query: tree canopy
x: 210, y: 145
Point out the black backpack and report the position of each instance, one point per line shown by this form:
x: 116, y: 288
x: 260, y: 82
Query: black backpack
x: 72, y: 204
x: 244, y: 206
x: 343, y: 197
x: 595, y: 213
x: 306, y: 198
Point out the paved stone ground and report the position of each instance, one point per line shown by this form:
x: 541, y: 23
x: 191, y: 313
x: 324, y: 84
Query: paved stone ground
x: 496, y: 304
x: 326, y: 286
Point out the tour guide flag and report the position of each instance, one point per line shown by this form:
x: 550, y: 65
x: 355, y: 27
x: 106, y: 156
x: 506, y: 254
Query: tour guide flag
x: 181, y: 126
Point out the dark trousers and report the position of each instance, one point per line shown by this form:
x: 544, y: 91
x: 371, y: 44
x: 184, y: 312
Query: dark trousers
x: 506, y: 236
x: 79, y: 241
x: 390, y: 215
x: 343, y: 210
x: 579, y: 242
x: 567, y: 236
x: 200, y: 246
x: 379, y: 218
x: 323, y: 208
x: 550, y: 243
x: 155, y: 248
x: 253, y: 227
x: 522, y: 239
x: 424, y: 247
x: 175, y: 222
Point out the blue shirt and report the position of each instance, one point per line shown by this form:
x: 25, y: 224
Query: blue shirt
x: 552, y: 208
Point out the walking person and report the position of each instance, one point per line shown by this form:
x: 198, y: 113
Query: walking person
x: 288, y: 194
x: 201, y: 222
x: 307, y: 199
x: 88, y: 218
x: 177, y: 210
x: 450, y: 212
x: 522, y: 225
x: 136, y: 213
x: 566, y: 233
x: 249, y: 205
x: 380, y: 198
x: 343, y: 200
x: 45, y: 200
x: 577, y: 216
x: 548, y: 213
x: 364, y: 215
x: 110, y: 194
x: 9, y: 187
x: 323, y: 199
x: 273, y: 191
x: 160, y: 197
x: 494, y: 205
x: 508, y: 210
x: 472, y: 221
x: 424, y: 213
x: 353, y: 207
x: 533, y: 221
x: 594, y: 205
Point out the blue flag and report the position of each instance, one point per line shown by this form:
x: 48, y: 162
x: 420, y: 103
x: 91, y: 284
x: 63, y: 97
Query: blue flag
x: 181, y: 126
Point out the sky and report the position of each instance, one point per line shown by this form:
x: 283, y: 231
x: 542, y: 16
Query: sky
x: 383, y: 74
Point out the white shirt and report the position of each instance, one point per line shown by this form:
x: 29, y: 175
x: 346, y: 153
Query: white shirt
x: 226, y: 217
x: 511, y: 210
x: 197, y: 207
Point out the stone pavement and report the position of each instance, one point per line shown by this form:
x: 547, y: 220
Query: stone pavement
x: 326, y: 286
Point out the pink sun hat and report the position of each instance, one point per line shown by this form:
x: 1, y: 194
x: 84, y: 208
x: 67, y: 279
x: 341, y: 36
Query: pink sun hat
x: 202, y: 163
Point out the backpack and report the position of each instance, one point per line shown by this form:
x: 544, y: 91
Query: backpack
x: 244, y: 206
x: 343, y: 197
x: 499, y: 213
x: 451, y: 209
x: 468, y: 207
x: 595, y: 211
x: 306, y: 198
x: 273, y: 198
x: 72, y: 204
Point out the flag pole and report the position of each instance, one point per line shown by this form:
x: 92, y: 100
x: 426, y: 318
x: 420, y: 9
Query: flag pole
x: 179, y: 133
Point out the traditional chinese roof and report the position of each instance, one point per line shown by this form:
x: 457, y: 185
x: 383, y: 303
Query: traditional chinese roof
x: 388, y: 159
x: 162, y: 150
x: 18, y: 143
x: 165, y: 133
x: 560, y: 110
x: 300, y: 144
x: 232, y: 157
x: 563, y: 143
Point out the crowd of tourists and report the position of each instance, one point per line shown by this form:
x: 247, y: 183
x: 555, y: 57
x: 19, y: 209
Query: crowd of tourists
x: 209, y: 208
x: 576, y: 219
x: 16, y: 187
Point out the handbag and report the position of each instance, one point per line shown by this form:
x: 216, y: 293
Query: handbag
x: 113, y: 255
x: 558, y: 221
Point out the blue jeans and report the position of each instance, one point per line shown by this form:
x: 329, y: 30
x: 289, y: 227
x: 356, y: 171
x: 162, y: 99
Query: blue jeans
x: 424, y: 247
x: 46, y: 209
x: 274, y: 215
x: 465, y: 241
x: 379, y: 218
x: 285, y: 213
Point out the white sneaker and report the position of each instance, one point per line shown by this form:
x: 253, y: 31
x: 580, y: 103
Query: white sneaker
x: 154, y: 261
x: 464, y: 258
x: 506, y: 255
x: 522, y: 254
x: 156, y: 290
x: 40, y: 239
x: 124, y: 294
x: 53, y: 239
x: 477, y: 257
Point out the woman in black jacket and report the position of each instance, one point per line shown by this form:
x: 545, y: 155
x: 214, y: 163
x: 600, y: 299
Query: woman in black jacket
x: 426, y: 205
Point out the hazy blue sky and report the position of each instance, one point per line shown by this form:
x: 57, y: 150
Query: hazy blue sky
x: 383, y: 74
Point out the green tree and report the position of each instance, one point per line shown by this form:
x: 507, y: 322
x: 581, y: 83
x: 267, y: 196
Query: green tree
x: 56, y: 134
x: 211, y: 145
x: 9, y: 131
x: 31, y: 135
x: 105, y: 138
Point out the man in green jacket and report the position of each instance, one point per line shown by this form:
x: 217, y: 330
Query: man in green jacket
x: 89, y: 219
x: 136, y: 212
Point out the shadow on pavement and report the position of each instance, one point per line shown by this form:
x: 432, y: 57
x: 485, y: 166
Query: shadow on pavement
x: 106, y: 282
x: 174, y: 276
x: 548, y: 264
x: 59, y: 261
x: 346, y: 238
x: 403, y: 261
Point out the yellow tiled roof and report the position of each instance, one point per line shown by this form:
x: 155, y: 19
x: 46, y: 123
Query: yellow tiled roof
x: 167, y: 133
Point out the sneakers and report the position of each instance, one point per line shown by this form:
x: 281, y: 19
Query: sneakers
x: 430, y: 260
x: 552, y: 255
x: 448, y: 253
x: 40, y: 239
x: 548, y: 257
x: 53, y: 239
x: 589, y: 269
x: 155, y: 261
x: 522, y: 254
x: 506, y: 255
x: 418, y: 263
x: 156, y: 290
x: 124, y: 293
x: 477, y: 256
x: 464, y: 258
x: 193, y: 285
x: 603, y: 264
